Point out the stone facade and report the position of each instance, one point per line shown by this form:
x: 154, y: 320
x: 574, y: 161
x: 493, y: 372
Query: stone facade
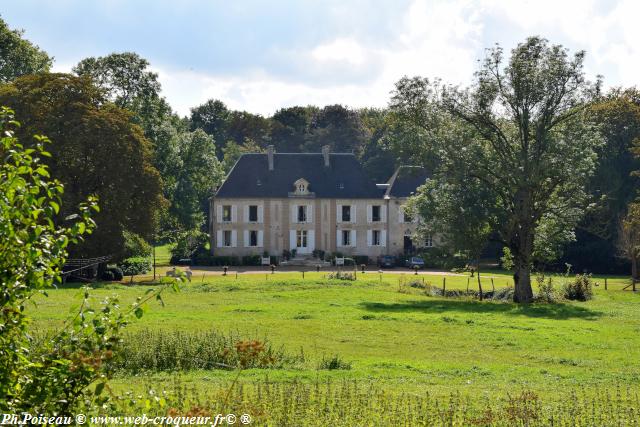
x: 306, y: 221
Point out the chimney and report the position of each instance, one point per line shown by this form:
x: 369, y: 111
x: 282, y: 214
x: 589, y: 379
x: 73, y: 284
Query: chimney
x: 270, y: 152
x: 325, y: 155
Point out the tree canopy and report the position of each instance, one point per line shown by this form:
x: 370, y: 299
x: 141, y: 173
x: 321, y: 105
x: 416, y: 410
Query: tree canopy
x: 18, y: 56
x: 521, y: 130
x: 96, y: 151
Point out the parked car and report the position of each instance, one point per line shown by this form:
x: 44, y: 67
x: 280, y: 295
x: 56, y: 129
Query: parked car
x: 386, y: 261
x: 414, y: 261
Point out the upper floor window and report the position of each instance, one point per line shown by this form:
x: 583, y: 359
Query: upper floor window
x: 302, y: 213
x: 253, y: 213
x: 428, y: 241
x: 376, y: 215
x: 226, y: 213
x: 346, y: 213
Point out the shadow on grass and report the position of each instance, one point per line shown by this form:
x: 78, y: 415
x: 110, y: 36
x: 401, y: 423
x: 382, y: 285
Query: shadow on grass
x: 107, y: 285
x: 558, y: 311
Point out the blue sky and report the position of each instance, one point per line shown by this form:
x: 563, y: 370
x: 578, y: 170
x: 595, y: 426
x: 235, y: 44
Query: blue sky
x: 263, y: 55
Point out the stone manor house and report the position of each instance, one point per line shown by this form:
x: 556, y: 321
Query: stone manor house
x: 272, y: 202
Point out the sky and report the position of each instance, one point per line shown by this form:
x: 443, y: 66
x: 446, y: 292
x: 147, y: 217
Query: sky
x: 260, y: 56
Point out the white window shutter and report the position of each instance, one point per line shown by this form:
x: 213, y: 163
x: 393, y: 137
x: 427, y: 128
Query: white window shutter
x: 219, y: 213
x: 353, y: 238
x: 353, y: 214
x: 260, y: 214
x: 369, y: 237
x: 401, y: 215
x: 369, y: 213
x: 234, y: 238
x: 309, y: 213
x: 234, y: 213
x: 311, y: 240
x: 219, y: 239
x: 339, y: 238
x: 339, y: 214
x: 294, y: 216
x: 383, y: 213
x: 245, y: 216
x: 383, y: 238
x: 260, y: 238
x: 246, y: 238
x: 292, y: 239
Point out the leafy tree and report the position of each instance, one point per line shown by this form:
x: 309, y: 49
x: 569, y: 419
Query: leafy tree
x: 18, y: 56
x: 378, y: 159
x: 65, y: 372
x: 200, y: 174
x: 532, y: 145
x: 629, y: 237
x: 290, y: 128
x: 613, y: 183
x: 338, y: 127
x: 244, y: 126
x: 212, y: 117
x: 96, y: 150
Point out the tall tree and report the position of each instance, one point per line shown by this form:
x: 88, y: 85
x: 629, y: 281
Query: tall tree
x: 378, y: 159
x: 18, y: 56
x: 534, y: 148
x: 629, y: 238
x: 96, y: 151
x: 338, y: 127
x: 212, y: 117
x: 290, y: 128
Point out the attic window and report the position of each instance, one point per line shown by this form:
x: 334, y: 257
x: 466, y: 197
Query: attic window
x: 341, y: 186
x: 258, y: 182
x: 301, y: 186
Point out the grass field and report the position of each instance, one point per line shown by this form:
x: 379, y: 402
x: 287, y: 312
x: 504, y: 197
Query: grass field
x: 394, y: 334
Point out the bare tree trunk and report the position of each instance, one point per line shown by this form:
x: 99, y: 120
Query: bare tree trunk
x: 634, y: 267
x: 479, y: 282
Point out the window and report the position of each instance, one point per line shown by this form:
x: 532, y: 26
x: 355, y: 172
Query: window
x: 253, y: 213
x: 302, y: 188
x: 375, y: 213
x: 301, y: 238
x: 253, y: 238
x: 346, y: 238
x: 346, y: 213
x: 375, y: 238
x: 407, y: 217
x: 226, y: 239
x: 428, y: 241
x: 341, y: 186
x: 226, y: 213
x: 302, y: 213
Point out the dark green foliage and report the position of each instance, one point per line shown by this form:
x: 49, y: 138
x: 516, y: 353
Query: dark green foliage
x: 579, y: 289
x: 361, y: 259
x: 440, y: 258
x: 190, y: 244
x: 341, y: 275
x: 134, y: 266
x: 135, y: 246
x: 334, y: 363
x: 206, y: 259
x: 96, y: 150
x: 112, y: 273
x: 251, y: 260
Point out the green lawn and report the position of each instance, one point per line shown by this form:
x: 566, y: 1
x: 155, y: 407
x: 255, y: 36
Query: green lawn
x: 397, y: 336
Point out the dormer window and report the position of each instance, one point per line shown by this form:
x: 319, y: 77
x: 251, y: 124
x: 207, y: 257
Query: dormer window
x: 301, y: 186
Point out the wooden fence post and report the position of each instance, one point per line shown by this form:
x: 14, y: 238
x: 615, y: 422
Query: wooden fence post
x: 468, y: 279
x: 303, y: 274
x: 605, y: 283
x: 493, y: 287
x: 444, y: 286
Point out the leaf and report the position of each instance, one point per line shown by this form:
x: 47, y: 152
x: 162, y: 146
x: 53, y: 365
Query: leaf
x: 138, y: 312
x: 99, y: 389
x: 55, y: 206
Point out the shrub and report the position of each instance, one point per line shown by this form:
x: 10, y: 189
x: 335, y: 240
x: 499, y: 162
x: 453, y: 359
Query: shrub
x: 206, y: 259
x: 189, y: 244
x: 339, y: 275
x: 134, y: 266
x: 251, y: 260
x: 546, y: 291
x: 439, y: 258
x: 112, y: 274
x: 318, y: 253
x: 333, y: 363
x: 135, y: 246
x: 580, y: 288
x: 361, y: 259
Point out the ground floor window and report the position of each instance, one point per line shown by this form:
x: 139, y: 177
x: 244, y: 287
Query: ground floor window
x: 376, y: 237
x: 253, y: 238
x: 428, y: 243
x: 346, y: 237
x: 226, y: 238
x: 301, y: 238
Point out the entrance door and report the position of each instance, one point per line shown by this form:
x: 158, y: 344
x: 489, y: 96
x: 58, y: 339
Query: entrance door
x: 408, y: 243
x: 303, y: 241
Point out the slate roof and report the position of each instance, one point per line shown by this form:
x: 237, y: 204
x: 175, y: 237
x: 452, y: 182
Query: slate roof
x: 344, y: 178
x: 406, y: 180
